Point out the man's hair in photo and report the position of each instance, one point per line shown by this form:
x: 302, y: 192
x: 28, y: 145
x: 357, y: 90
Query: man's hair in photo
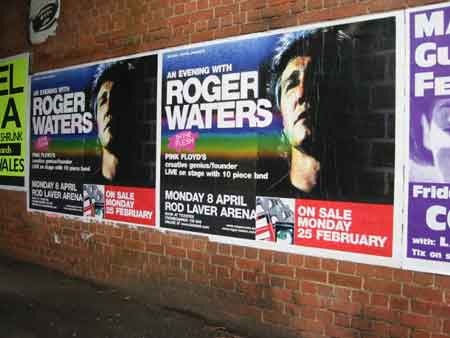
x: 328, y: 87
x: 326, y: 48
x: 120, y: 72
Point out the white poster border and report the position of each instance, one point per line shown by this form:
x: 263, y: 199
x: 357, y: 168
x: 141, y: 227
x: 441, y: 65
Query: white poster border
x: 395, y: 260
x: 415, y: 264
x: 83, y: 218
x: 27, y: 103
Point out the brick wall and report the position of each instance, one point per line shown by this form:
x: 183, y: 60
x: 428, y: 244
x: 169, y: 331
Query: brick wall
x: 269, y: 294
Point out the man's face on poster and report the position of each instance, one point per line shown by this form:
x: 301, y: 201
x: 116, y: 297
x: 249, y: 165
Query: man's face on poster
x: 437, y: 137
x: 294, y: 105
x: 105, y: 114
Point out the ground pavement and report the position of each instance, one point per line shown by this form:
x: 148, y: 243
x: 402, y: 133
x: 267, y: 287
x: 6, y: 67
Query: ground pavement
x: 39, y: 303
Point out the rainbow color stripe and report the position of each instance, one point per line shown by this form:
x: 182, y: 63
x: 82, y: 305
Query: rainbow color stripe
x: 73, y: 146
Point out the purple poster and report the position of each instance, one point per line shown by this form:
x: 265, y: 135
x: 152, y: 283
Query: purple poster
x: 428, y: 227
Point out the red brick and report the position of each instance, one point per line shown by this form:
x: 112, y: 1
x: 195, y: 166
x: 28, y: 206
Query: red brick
x: 251, y: 291
x: 237, y: 251
x: 307, y: 313
x: 251, y: 253
x: 198, y: 267
x: 178, y: 9
x: 254, y: 15
x: 201, y: 26
x: 329, y: 264
x: 375, y: 312
x: 173, y: 240
x: 266, y: 255
x: 437, y: 335
x: 197, y: 256
x: 345, y: 280
x: 116, y: 241
x: 346, y: 267
x: 239, y: 19
x: 186, y: 265
x: 284, y: 295
x: 379, y: 299
x: 135, y: 245
x: 382, y: 286
x: 277, y: 306
x: 442, y: 282
x: 447, y: 325
x: 361, y: 324
x: 275, y: 317
x: 380, y: 329
x: 156, y: 248
x: 397, y: 331
x: 360, y: 297
x: 249, y: 276
x: 403, y: 276
x: 342, y: 293
x: 324, y: 315
x: 295, y: 260
x: 249, y: 264
x: 252, y: 4
x: 199, y: 244
x: 224, y: 249
x: 420, y: 334
x: 312, y: 262
x: 222, y: 260
x: 309, y: 287
x: 425, y: 279
x: 378, y: 272
x: 202, y: 36
x: 223, y: 283
x: 330, y: 3
x: 316, y: 288
x: 225, y: 10
x: 202, y: 4
x: 198, y: 278
x: 187, y: 243
x: 277, y: 281
x: 280, y: 258
x: 349, y: 308
x: 176, y: 252
x: 399, y: 303
x: 179, y: 20
x: 281, y: 270
x: 424, y: 293
x: 211, y: 247
x: 309, y: 325
x: 298, y: 7
x: 310, y: 300
x: 421, y: 307
x: 292, y: 284
x: 191, y: 6
x: 420, y: 321
x: 336, y: 331
x: 117, y: 232
x: 440, y: 310
x: 281, y: 22
x: 314, y: 4
x: 226, y: 21
x: 273, y: 3
x: 253, y: 27
x: 223, y: 272
x: 311, y: 275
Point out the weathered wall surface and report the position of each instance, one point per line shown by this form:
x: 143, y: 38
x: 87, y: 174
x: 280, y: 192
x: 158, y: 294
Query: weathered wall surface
x: 269, y: 293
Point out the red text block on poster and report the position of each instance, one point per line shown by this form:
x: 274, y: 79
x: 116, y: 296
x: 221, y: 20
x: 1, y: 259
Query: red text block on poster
x: 129, y: 204
x: 344, y: 226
